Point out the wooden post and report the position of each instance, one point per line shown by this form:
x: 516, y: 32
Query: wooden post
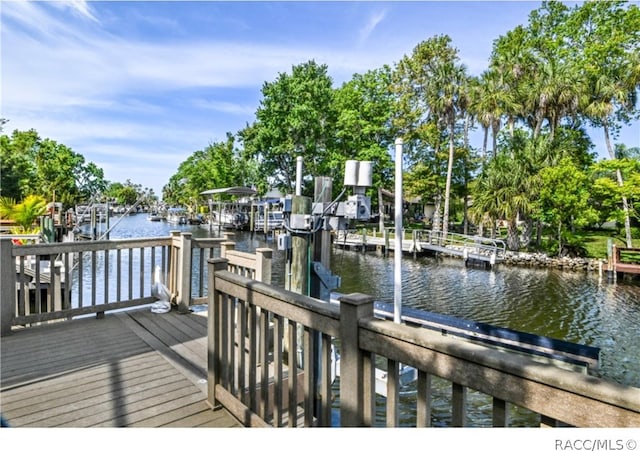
x: 7, y: 286
x: 322, y: 240
x: 214, y: 327
x: 263, y: 264
x: 298, y: 279
x: 226, y: 246
x: 55, y: 287
x: 184, y: 273
x: 352, y: 396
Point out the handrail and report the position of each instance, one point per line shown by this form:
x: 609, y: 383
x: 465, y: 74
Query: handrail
x: 93, y: 277
x: 282, y: 393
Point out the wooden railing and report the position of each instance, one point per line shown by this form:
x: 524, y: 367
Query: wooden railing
x: 625, y: 260
x: 93, y: 277
x: 292, y: 391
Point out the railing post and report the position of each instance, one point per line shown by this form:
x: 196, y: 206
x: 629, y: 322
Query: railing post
x: 55, y: 287
x: 184, y: 273
x: 353, y: 307
x: 263, y: 264
x: 226, y: 246
x: 214, y: 328
x: 7, y: 286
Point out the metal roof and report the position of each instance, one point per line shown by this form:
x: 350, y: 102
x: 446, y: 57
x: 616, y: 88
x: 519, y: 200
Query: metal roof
x: 233, y: 190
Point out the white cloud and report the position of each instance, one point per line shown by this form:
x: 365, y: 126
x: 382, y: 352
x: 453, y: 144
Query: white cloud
x: 368, y: 28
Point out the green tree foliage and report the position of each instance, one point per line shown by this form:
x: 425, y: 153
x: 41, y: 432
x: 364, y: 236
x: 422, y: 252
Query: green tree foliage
x: 365, y: 106
x: 564, y: 198
x: 295, y: 118
x: 433, y: 95
x: 24, y: 214
x: 31, y: 165
x: 609, y: 195
x: 217, y: 166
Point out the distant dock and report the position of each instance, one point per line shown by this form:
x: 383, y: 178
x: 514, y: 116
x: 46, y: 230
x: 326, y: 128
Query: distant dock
x: 473, y: 249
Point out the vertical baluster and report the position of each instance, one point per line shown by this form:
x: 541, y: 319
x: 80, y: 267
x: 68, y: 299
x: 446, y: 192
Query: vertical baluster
x: 500, y: 413
x: 309, y: 375
x: 459, y: 405
x: 23, y: 308
x: 93, y: 278
x: 142, y: 249
x: 368, y: 389
x: 264, y: 365
x: 253, y: 356
x: 548, y: 422
x: 80, y: 278
x: 423, y: 417
x: 38, y: 306
x: 164, y: 262
x: 241, y: 339
x: 201, y: 272
x: 54, y: 294
x: 393, y: 395
x: 278, y: 334
x: 293, y: 373
x: 130, y: 276
x: 225, y: 373
x: 106, y: 277
x: 231, y: 343
x: 152, y: 264
x: 326, y: 367
x: 66, y: 301
x: 118, y: 275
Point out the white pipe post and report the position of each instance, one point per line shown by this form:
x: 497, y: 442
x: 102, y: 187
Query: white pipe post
x: 298, y: 176
x: 397, y: 253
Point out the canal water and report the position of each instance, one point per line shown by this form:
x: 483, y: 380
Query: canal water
x: 579, y: 307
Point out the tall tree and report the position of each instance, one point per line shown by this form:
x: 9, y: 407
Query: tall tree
x: 606, y: 46
x: 431, y: 88
x: 364, y: 107
x: 295, y: 118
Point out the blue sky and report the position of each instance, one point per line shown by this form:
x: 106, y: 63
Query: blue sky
x: 137, y: 87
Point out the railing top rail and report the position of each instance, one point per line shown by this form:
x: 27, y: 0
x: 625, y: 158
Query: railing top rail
x: 324, y: 316
x: 85, y: 246
x: 562, y: 380
x: 205, y: 243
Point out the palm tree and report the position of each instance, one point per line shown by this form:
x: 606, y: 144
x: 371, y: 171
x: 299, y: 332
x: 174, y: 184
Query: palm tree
x: 608, y: 95
x: 23, y: 214
x: 448, y: 99
x: 491, y: 100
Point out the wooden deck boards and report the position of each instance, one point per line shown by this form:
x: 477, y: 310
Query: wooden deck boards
x: 134, y: 369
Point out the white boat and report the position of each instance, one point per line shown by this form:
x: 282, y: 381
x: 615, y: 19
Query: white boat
x: 153, y: 216
x: 177, y: 215
x: 229, y: 219
x: 227, y: 214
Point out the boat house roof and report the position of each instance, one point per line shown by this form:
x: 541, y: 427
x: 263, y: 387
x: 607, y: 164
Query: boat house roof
x: 233, y: 190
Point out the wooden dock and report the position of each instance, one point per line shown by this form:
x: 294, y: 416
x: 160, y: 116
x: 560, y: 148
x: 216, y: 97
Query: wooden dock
x: 472, y: 249
x: 133, y: 369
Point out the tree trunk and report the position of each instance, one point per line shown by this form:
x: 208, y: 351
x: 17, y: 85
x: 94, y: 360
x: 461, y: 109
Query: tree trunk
x: 625, y: 203
x: 484, y: 143
x: 560, y: 239
x: 465, y: 207
x: 527, y: 232
x: 380, y: 211
x: 437, y: 223
x: 447, y: 193
x: 513, y: 242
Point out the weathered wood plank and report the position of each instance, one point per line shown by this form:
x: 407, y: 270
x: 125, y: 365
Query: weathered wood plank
x: 107, y: 373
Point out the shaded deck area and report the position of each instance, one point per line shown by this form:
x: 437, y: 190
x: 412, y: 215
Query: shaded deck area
x: 128, y: 369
